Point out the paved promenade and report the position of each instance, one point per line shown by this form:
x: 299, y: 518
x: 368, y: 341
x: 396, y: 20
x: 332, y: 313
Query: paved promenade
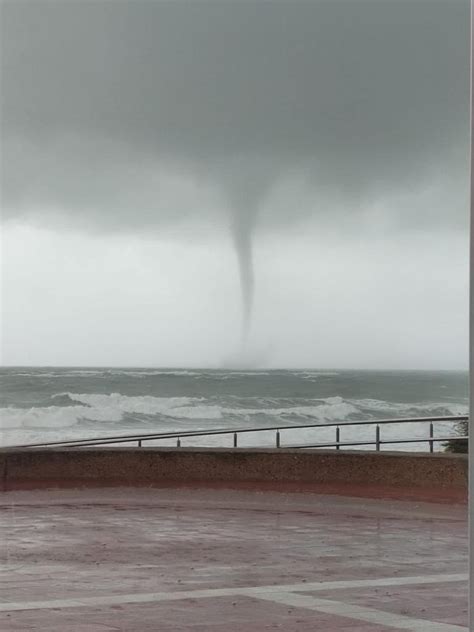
x: 168, y: 560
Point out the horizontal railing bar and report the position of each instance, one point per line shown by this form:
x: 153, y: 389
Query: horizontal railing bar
x: 347, y: 443
x: 326, y: 445
x: 425, y: 440
x: 201, y: 433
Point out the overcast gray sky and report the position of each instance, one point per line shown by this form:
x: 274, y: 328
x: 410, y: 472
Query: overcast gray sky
x: 169, y: 168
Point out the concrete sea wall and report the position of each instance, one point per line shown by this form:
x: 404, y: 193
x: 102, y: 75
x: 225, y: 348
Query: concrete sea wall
x: 359, y: 473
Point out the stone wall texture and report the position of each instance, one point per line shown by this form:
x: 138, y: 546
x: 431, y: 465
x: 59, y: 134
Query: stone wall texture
x: 316, y: 469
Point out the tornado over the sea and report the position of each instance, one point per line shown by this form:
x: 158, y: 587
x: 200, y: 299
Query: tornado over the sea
x: 242, y: 236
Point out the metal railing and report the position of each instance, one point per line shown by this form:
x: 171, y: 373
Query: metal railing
x: 279, y: 430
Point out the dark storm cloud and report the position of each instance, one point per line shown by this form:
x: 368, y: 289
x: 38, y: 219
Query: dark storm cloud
x: 365, y: 94
x: 152, y: 116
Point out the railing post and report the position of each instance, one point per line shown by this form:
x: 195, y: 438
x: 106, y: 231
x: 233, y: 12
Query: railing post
x: 139, y: 443
x: 178, y: 443
x: 338, y: 437
x: 377, y: 438
x: 431, y: 437
x: 235, y: 439
x: 277, y: 438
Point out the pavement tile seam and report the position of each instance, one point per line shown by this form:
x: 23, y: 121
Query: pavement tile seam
x: 253, y: 591
x: 353, y: 614
x: 369, y: 615
x: 179, y: 559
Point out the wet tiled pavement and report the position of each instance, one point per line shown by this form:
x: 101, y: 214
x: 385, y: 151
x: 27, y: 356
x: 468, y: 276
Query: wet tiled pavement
x: 228, y: 560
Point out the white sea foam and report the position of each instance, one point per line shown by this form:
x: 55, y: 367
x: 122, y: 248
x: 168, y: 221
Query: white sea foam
x: 311, y: 375
x: 321, y: 412
x: 106, y: 373
x: 39, y: 374
x: 110, y: 408
x: 206, y: 374
x: 198, y: 408
x: 147, y: 373
x: 64, y: 373
x: 54, y: 416
x: 233, y: 375
x: 141, y: 404
x: 397, y: 408
x: 102, y: 408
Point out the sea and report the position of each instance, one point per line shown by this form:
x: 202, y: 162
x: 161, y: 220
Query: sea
x: 56, y: 404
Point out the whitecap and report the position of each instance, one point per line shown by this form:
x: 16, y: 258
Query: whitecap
x: 54, y: 416
x: 412, y: 408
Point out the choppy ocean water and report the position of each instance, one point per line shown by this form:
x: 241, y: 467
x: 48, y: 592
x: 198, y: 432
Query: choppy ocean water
x: 50, y: 404
x: 53, y: 404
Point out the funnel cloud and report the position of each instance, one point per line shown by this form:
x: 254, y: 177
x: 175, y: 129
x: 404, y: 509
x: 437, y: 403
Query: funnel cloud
x: 243, y: 247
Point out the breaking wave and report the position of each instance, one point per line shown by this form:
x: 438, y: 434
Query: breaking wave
x: 310, y: 375
x: 54, y: 416
x: 412, y: 409
x: 70, y: 409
